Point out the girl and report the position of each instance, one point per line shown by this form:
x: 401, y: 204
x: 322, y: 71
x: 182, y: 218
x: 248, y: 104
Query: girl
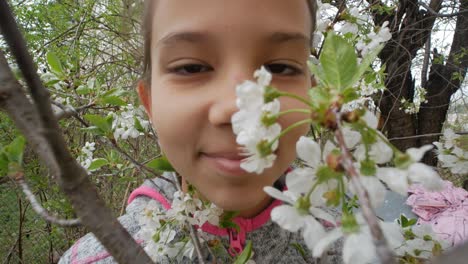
x: 196, y: 52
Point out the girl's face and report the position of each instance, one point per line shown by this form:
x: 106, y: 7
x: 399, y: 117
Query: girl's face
x: 200, y: 51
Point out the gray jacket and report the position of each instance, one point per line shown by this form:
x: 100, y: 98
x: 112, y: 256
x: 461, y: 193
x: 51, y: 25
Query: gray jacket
x: 271, y: 244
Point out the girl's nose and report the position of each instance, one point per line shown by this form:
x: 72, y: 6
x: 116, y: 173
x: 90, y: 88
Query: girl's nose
x: 224, y: 104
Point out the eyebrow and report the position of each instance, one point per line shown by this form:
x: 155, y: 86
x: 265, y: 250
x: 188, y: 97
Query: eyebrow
x: 185, y: 36
x: 280, y: 37
x: 194, y: 37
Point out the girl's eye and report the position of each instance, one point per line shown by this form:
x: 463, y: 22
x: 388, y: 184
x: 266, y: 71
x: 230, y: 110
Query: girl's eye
x: 190, y: 69
x: 282, y: 69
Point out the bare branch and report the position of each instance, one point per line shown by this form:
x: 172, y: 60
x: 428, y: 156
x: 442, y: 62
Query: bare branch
x: 425, y: 66
x: 437, y: 14
x: 40, y: 210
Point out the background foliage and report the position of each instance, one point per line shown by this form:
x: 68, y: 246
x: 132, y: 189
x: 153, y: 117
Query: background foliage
x: 89, y: 55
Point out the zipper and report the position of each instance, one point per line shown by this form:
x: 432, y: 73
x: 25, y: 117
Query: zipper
x: 236, y: 241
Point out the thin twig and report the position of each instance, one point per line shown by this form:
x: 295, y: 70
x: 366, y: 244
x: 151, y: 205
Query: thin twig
x: 381, y: 245
x: 40, y: 210
x: 193, y: 232
x: 426, y: 135
x: 434, y: 13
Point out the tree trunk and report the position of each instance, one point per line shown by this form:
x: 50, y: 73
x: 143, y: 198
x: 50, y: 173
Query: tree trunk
x: 441, y: 84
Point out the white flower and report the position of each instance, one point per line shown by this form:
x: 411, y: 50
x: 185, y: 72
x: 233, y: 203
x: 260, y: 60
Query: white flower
x: 450, y: 138
x: 123, y: 125
x: 451, y: 156
x: 374, y: 188
x: 263, y: 76
x: 183, y: 206
x: 86, y: 157
x: 358, y: 247
x: 373, y: 40
x: 379, y: 152
x: 290, y: 218
x: 398, y: 179
x: 255, y: 142
x: 418, y: 244
x: 258, y: 140
x: 347, y: 27
x: 210, y: 214
x: 293, y: 216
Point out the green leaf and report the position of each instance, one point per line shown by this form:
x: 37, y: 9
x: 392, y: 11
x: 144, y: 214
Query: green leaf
x: 339, y: 62
x: 54, y: 63
x: 3, y: 163
x: 318, y: 73
x: 349, y: 223
x: 160, y: 164
x: 83, y: 90
x: 299, y: 249
x: 406, y: 222
x: 245, y: 255
x: 365, y: 63
x: 102, y: 123
x: 113, y: 100
x: 97, y: 164
x: 226, y: 220
x: 368, y: 167
x: 15, y: 149
x: 138, y: 125
x: 51, y: 82
x: 350, y: 94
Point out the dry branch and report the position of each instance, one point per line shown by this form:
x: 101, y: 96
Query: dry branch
x: 40, y: 210
x: 41, y: 129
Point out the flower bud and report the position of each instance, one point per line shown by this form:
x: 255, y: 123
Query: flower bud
x: 334, y: 162
x: 330, y: 120
x: 351, y: 117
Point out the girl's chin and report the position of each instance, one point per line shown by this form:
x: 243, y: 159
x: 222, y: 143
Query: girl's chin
x: 244, y: 206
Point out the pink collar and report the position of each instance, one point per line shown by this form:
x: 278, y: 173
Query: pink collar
x: 246, y: 224
x: 236, y: 238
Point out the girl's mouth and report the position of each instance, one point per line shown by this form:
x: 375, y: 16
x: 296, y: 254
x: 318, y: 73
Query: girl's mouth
x: 227, y: 163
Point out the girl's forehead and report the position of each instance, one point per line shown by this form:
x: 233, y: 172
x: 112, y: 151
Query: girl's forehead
x: 213, y: 18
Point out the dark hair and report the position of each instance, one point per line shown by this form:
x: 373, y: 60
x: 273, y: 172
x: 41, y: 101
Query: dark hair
x: 147, y: 30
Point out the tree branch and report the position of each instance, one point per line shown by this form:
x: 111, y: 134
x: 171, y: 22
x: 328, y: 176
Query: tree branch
x: 381, y: 245
x: 435, y: 13
x: 72, y: 178
x: 40, y: 210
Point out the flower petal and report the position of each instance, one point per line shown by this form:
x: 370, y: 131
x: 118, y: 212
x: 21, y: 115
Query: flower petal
x: 358, y: 248
x: 374, y: 188
x: 313, y: 232
x: 370, y: 119
x: 277, y: 194
x: 416, y: 154
x: 395, y: 179
x: 287, y: 217
x: 425, y: 175
x: 309, y: 151
x: 321, y: 214
x: 326, y: 241
x: 300, y: 181
x: 351, y: 137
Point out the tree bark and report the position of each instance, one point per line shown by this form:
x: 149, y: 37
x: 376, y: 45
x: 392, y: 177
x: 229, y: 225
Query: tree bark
x: 441, y: 86
x: 410, y: 29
